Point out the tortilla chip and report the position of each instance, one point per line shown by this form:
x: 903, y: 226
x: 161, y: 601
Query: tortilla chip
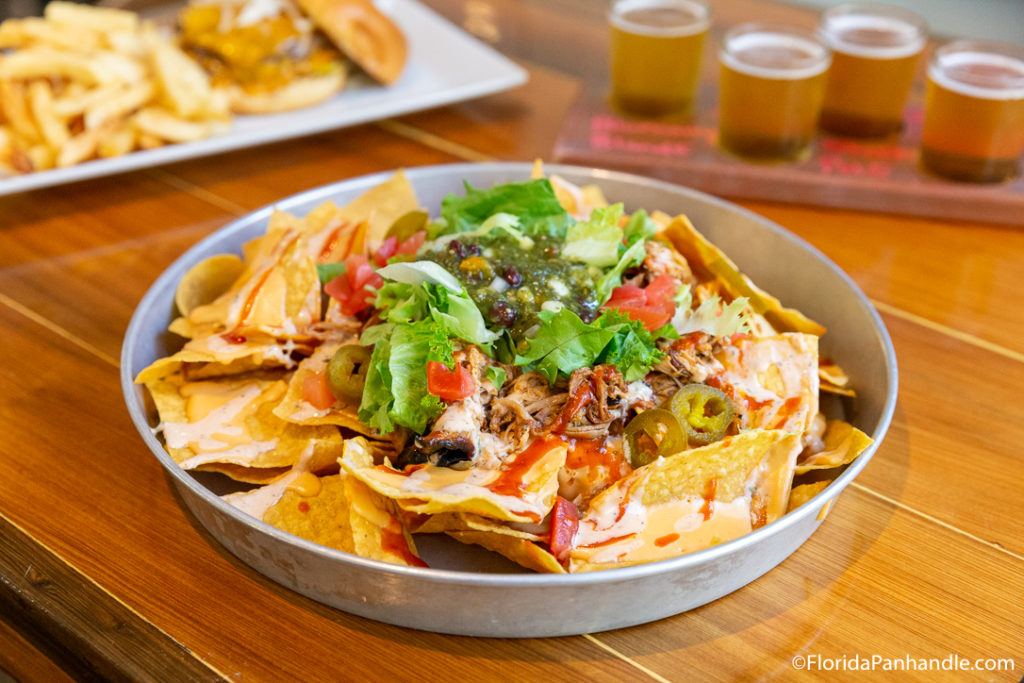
x: 523, y: 490
x: 207, y: 280
x: 804, y: 492
x: 341, y: 513
x: 231, y: 422
x: 843, y: 443
x: 380, y: 206
x: 521, y: 551
x: 215, y: 356
x: 687, y: 502
x: 773, y: 381
x: 710, y: 262
x: 277, y: 294
x: 322, y: 518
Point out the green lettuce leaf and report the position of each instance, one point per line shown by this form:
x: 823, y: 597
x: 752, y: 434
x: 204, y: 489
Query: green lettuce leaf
x: 533, y: 202
x: 633, y: 256
x: 596, y: 241
x: 565, y: 343
x: 396, y: 382
x: 712, y: 316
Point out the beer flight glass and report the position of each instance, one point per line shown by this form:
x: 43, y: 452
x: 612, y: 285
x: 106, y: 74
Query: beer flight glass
x: 770, y: 92
x: 779, y: 84
x: 875, y: 49
x: 974, y: 111
x: 656, y: 50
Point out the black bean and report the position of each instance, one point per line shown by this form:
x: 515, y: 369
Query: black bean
x: 502, y: 314
x: 512, y: 276
x: 457, y: 248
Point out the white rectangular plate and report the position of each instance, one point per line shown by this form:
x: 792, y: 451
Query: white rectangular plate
x: 445, y: 65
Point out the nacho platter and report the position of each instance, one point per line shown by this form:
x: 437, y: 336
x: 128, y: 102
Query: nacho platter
x: 486, y: 591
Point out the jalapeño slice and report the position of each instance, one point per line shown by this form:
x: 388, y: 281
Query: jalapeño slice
x: 704, y: 412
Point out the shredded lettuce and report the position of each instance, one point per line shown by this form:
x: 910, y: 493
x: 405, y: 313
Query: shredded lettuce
x: 533, y: 202
x: 596, y: 241
x: 633, y: 256
x: 711, y: 316
x: 565, y: 343
x: 418, y: 272
x: 424, y: 314
x: 396, y: 383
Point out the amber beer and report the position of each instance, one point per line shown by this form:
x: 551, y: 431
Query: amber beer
x: 974, y: 111
x: 874, y: 58
x: 772, y: 84
x: 656, y: 50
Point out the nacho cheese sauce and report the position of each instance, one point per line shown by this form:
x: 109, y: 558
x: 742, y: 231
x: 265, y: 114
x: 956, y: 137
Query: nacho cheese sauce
x: 215, y: 430
x: 775, y: 378
x: 621, y: 529
x: 257, y: 501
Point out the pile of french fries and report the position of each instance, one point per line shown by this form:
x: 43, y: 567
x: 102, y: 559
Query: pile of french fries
x: 83, y: 83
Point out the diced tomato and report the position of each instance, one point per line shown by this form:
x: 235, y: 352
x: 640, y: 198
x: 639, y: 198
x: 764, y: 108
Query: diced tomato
x: 654, y: 305
x: 386, y: 251
x: 412, y: 245
x: 353, y: 288
x: 391, y: 247
x: 650, y: 318
x: 628, y: 295
x: 565, y: 521
x: 449, y: 385
x: 316, y: 391
x: 661, y: 290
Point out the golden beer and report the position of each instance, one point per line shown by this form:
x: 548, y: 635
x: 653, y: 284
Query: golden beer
x: 874, y: 55
x: 656, y: 50
x: 771, y: 89
x: 974, y: 111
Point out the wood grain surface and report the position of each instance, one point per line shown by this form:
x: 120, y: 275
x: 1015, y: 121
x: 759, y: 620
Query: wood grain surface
x: 105, y: 576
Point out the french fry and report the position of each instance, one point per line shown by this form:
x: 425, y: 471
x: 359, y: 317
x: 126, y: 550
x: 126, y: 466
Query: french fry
x: 119, y: 106
x: 119, y: 142
x: 16, y: 111
x: 82, y: 146
x: 40, y: 156
x: 95, y: 18
x: 164, y: 125
x: 185, y: 85
x: 52, y: 127
x: 76, y: 98
x: 83, y: 82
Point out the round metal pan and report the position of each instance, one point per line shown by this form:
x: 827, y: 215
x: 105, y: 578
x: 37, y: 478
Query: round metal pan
x: 468, y: 591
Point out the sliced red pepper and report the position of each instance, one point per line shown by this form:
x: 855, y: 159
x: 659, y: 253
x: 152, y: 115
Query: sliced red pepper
x: 565, y: 522
x: 449, y: 385
x: 317, y: 392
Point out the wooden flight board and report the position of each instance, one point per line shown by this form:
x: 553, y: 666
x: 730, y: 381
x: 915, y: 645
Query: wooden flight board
x: 881, y: 175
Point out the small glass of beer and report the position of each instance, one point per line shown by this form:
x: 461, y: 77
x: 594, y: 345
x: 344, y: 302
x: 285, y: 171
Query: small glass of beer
x: 974, y: 111
x: 874, y: 56
x: 656, y: 50
x: 771, y: 89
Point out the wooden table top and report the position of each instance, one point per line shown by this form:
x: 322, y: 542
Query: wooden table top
x: 104, y: 575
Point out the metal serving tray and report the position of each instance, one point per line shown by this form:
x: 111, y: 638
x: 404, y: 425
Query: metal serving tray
x: 468, y: 591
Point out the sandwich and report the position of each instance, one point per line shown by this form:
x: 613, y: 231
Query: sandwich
x: 279, y: 55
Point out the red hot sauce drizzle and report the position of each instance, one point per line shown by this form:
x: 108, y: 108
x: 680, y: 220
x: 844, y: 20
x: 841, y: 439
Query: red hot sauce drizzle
x: 393, y: 541
x: 708, y: 508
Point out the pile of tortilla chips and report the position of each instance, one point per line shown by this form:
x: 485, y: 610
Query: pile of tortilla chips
x: 257, y: 326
